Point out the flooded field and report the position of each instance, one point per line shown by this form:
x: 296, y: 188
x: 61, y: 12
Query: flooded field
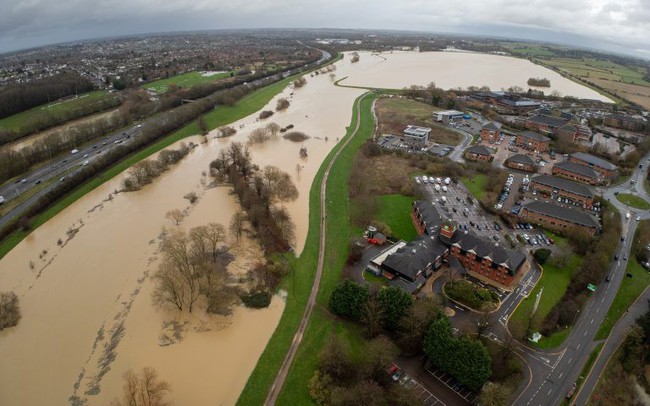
x: 450, y: 70
x: 84, y: 283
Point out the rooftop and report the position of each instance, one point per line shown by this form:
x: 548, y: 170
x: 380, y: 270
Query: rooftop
x: 479, y: 150
x: 534, y: 136
x: 492, y: 126
x: 521, y: 159
x: 417, y: 131
x: 485, y: 248
x: 594, y: 160
x: 548, y: 120
x: 430, y: 215
x: 415, y: 256
x: 562, y: 213
x: 582, y: 170
x: 563, y: 184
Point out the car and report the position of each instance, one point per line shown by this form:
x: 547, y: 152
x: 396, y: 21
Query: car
x: 103, y: 143
x: 471, y: 223
x: 622, y: 238
x: 638, y: 218
x: 94, y: 146
x: 625, y: 258
x: 38, y: 182
x: 65, y: 161
x: 497, y: 227
x: 616, y: 257
x: 62, y: 179
x: 23, y: 181
x: 454, y: 209
x: 86, y: 156
x: 608, y: 278
x: 495, y: 237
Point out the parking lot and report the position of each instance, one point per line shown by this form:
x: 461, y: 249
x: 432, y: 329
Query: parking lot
x: 453, y: 204
x: 427, y: 398
x: 452, y: 384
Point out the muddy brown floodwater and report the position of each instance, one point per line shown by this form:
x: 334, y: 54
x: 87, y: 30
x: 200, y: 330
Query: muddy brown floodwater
x: 87, y: 313
x: 450, y: 70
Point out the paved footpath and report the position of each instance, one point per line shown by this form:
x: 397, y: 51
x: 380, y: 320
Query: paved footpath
x: 276, y: 388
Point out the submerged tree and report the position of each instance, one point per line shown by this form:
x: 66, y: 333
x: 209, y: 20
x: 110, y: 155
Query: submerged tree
x: 144, y: 388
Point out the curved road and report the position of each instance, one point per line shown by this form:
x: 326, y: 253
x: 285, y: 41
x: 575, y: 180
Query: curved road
x: 553, y: 372
x: 276, y: 388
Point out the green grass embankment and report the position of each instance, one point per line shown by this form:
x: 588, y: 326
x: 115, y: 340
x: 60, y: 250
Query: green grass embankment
x: 633, y: 201
x: 186, y: 80
x: 298, y: 283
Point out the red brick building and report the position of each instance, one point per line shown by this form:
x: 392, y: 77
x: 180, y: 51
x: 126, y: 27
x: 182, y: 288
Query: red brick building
x: 607, y: 169
x: 564, y: 189
x: 478, y: 153
x: 533, y: 141
x: 579, y: 173
x: 545, y: 124
x: 490, y: 132
x: 559, y: 218
x: 625, y: 122
x: 481, y: 256
x: 520, y: 162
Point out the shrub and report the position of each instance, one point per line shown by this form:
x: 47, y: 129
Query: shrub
x: 296, y: 136
x: 471, y: 295
x: 257, y: 300
x: 226, y: 131
x: 300, y: 82
x: 282, y: 104
x: 541, y: 255
x: 9, y: 310
x: 266, y: 114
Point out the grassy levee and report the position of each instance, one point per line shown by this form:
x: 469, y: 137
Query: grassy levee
x: 298, y: 283
x: 216, y: 118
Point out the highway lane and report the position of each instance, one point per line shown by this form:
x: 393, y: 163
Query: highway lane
x: 616, y: 337
x: 551, y: 387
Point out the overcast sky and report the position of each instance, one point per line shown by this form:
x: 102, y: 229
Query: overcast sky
x: 620, y: 25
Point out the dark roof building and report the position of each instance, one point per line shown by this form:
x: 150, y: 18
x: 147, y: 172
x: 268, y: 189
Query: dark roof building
x: 594, y: 161
x: 415, y: 258
x: 563, y: 185
x: 547, y: 124
x: 521, y: 162
x: 577, y: 172
x: 479, y: 149
x: 559, y: 217
x: 486, y: 249
x: 532, y: 135
x: 428, y: 220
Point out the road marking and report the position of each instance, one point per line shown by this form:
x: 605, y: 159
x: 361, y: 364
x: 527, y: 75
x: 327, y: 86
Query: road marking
x: 585, y: 334
x: 578, y: 347
x: 561, y: 373
x: 591, y: 322
x: 549, y: 391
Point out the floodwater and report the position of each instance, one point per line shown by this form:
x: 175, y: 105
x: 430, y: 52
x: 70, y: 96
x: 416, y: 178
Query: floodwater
x: 87, y: 314
x: 451, y: 70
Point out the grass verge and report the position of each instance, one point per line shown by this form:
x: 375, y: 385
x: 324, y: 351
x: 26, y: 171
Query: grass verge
x: 394, y: 212
x: 628, y: 292
x: 299, y: 282
x: 476, y: 185
x: 554, y: 281
x: 633, y: 201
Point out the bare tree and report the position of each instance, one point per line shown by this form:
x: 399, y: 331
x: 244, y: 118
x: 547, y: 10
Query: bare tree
x: 143, y: 389
x: 273, y: 129
x: 279, y: 184
x: 282, y: 104
x: 237, y: 224
x: 176, y: 216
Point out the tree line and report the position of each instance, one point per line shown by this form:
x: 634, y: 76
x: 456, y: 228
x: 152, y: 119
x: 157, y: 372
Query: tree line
x: 19, y: 97
x: 258, y: 190
x: 597, y: 254
x: 415, y: 326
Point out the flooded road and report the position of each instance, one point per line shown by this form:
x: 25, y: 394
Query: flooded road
x: 84, y: 284
x: 450, y: 70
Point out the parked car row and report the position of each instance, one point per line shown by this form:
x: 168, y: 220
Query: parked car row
x: 523, y: 226
x: 538, y: 239
x: 505, y: 192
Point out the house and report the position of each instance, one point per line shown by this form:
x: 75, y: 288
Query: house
x: 490, y: 132
x: 545, y: 124
x: 605, y: 168
x: 482, y: 256
x: 563, y: 188
x: 478, y: 153
x: 521, y: 162
x: 533, y: 141
x: 559, y: 218
x: 415, y: 136
x: 579, y: 173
